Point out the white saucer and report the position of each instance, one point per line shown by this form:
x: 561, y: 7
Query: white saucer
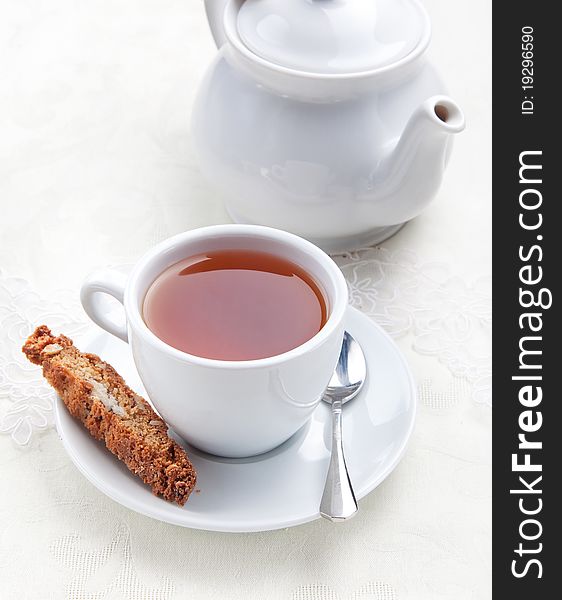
x: 283, y: 487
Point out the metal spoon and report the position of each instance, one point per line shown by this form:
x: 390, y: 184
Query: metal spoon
x: 338, y: 500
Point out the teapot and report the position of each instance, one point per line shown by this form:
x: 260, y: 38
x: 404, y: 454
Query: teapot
x: 324, y: 117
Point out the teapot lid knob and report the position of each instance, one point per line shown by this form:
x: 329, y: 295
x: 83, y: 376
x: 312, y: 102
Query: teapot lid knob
x: 332, y: 36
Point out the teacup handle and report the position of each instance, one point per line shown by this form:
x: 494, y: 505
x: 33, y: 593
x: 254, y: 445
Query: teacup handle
x: 105, y: 281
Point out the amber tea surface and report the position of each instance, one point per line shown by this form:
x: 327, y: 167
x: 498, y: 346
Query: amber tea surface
x: 235, y: 305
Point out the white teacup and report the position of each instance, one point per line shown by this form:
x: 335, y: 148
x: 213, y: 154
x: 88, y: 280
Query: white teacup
x: 229, y: 408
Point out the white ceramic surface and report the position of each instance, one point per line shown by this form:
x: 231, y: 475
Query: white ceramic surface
x: 281, y: 488
x: 342, y: 159
x: 248, y: 407
x: 331, y: 36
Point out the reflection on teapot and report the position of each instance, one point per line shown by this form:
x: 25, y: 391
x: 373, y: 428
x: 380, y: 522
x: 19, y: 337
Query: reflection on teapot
x: 324, y: 118
x: 302, y: 179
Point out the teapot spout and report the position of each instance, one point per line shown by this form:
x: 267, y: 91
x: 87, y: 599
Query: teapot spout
x: 414, y: 168
x: 427, y: 136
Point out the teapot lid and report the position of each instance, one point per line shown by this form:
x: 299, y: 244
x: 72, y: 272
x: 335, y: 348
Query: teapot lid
x: 332, y: 36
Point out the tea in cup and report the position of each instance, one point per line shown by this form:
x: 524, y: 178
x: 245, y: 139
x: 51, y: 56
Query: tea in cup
x: 234, y: 305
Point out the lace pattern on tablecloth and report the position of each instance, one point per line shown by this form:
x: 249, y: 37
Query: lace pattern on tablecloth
x: 26, y: 400
x: 448, y: 319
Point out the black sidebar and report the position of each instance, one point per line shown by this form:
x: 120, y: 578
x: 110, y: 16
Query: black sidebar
x: 527, y: 170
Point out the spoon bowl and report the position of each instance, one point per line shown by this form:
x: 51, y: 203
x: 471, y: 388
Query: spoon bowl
x: 349, y: 374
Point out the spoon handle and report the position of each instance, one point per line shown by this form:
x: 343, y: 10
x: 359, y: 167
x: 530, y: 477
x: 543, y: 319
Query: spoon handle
x: 338, y: 500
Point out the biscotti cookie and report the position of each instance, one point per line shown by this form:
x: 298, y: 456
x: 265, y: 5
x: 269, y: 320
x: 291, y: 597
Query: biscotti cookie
x: 98, y: 397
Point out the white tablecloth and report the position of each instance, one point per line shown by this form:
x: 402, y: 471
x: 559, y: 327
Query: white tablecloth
x: 96, y: 165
